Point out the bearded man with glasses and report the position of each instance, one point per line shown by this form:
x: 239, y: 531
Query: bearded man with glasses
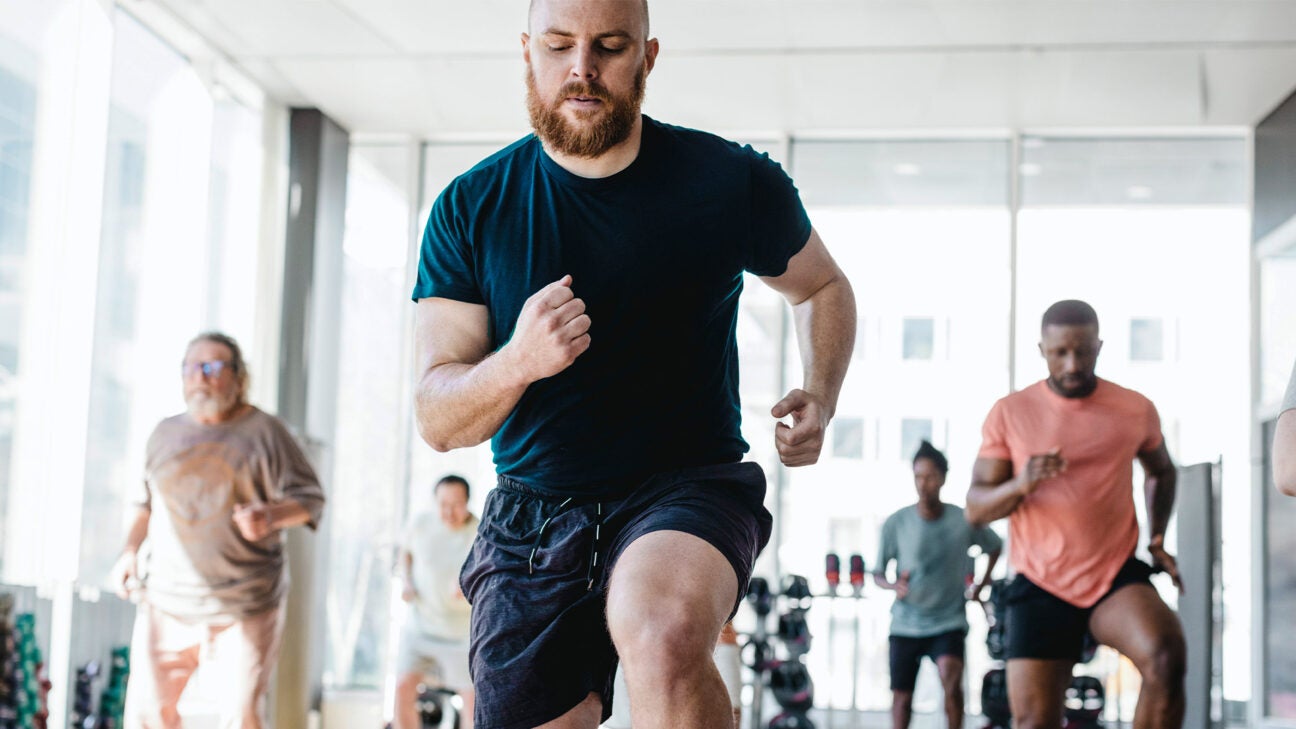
x: 222, y: 481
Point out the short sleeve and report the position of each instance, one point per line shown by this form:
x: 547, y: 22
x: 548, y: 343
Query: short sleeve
x: 888, y: 549
x: 780, y: 226
x: 987, y: 539
x: 994, y: 435
x: 1152, y: 439
x: 1289, y: 401
x: 295, y: 477
x: 446, y: 263
x: 142, y: 494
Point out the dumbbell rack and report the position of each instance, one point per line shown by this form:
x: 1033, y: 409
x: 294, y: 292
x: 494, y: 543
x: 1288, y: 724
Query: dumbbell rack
x: 787, y: 678
x: 832, y: 571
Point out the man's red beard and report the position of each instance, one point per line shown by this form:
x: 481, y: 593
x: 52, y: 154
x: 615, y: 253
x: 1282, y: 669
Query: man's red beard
x: 604, y: 128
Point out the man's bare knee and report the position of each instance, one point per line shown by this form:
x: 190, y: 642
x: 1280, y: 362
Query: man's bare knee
x: 1167, y: 665
x: 668, y: 633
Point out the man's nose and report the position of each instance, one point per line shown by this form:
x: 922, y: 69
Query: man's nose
x: 584, y: 63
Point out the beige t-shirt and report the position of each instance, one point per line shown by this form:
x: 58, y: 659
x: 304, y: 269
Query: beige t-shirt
x: 199, y: 567
x: 437, y: 554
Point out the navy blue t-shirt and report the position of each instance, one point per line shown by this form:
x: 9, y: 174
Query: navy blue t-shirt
x: 657, y: 253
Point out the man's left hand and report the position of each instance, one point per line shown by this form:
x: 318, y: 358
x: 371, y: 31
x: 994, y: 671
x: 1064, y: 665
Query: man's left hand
x: 253, y: 521
x: 1163, y: 559
x: 799, y: 444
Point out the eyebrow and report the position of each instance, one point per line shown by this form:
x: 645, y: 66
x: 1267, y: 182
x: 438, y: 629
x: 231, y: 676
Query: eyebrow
x: 600, y: 36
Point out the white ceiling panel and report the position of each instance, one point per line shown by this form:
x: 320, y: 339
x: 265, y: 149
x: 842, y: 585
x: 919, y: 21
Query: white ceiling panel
x: 1244, y: 86
x: 440, y: 27
x: 415, y: 97
x: 277, y: 28
x: 453, y: 67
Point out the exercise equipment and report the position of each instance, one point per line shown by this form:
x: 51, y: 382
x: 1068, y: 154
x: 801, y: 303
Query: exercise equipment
x: 436, y: 708
x: 787, y: 678
x: 1085, y: 700
x: 994, y: 699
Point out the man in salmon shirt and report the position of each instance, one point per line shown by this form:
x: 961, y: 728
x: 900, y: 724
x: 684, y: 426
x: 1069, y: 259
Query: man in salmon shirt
x: 1057, y: 459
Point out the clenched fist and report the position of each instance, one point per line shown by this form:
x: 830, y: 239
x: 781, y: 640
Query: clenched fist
x: 552, y: 331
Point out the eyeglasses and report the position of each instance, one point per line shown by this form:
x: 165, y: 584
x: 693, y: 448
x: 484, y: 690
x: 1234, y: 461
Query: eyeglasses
x: 209, y: 370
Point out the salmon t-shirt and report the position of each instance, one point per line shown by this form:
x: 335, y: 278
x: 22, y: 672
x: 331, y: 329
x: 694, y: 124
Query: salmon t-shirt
x: 1075, y: 531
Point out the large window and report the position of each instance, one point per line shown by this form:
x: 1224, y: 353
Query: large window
x: 1150, y: 231
x: 921, y: 228
x: 1278, y: 570
x: 177, y: 256
x: 19, y: 66
x: 367, y: 495
x: 1154, y: 234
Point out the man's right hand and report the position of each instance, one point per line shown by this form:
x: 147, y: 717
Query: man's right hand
x: 125, y: 574
x: 902, y: 585
x: 408, y: 593
x: 1040, y: 468
x: 552, y: 331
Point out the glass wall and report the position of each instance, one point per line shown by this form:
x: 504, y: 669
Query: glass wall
x: 366, y: 498
x: 1277, y: 593
x: 921, y: 228
x: 177, y: 256
x: 19, y: 78
x: 1154, y: 233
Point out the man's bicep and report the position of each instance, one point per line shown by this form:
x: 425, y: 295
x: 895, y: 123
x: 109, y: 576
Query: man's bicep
x: 446, y: 330
x: 809, y: 270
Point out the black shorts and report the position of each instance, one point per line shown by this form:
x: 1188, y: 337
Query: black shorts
x: 1041, y: 625
x: 907, y: 654
x: 538, y: 572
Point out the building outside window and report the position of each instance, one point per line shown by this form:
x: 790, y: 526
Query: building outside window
x: 848, y: 438
x: 919, y: 338
x: 1146, y: 340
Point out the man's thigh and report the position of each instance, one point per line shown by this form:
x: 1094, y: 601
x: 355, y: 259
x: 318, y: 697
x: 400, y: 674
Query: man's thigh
x: 246, y: 651
x: 1040, y: 625
x: 672, y: 578
x: 1037, y: 691
x: 539, y: 645
x: 1137, y: 623
x: 164, y: 655
x: 905, y: 655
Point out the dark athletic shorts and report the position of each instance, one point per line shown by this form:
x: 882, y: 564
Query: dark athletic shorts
x: 907, y: 653
x: 1042, y: 625
x: 538, y: 572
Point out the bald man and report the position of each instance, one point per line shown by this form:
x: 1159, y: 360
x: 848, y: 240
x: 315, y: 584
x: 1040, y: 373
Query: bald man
x: 577, y: 301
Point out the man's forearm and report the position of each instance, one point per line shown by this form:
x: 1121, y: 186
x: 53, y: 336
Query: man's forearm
x: 825, y: 326
x: 1159, y: 489
x: 988, y: 575
x: 460, y: 405
x: 991, y: 502
x: 138, y: 530
x: 287, y: 514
